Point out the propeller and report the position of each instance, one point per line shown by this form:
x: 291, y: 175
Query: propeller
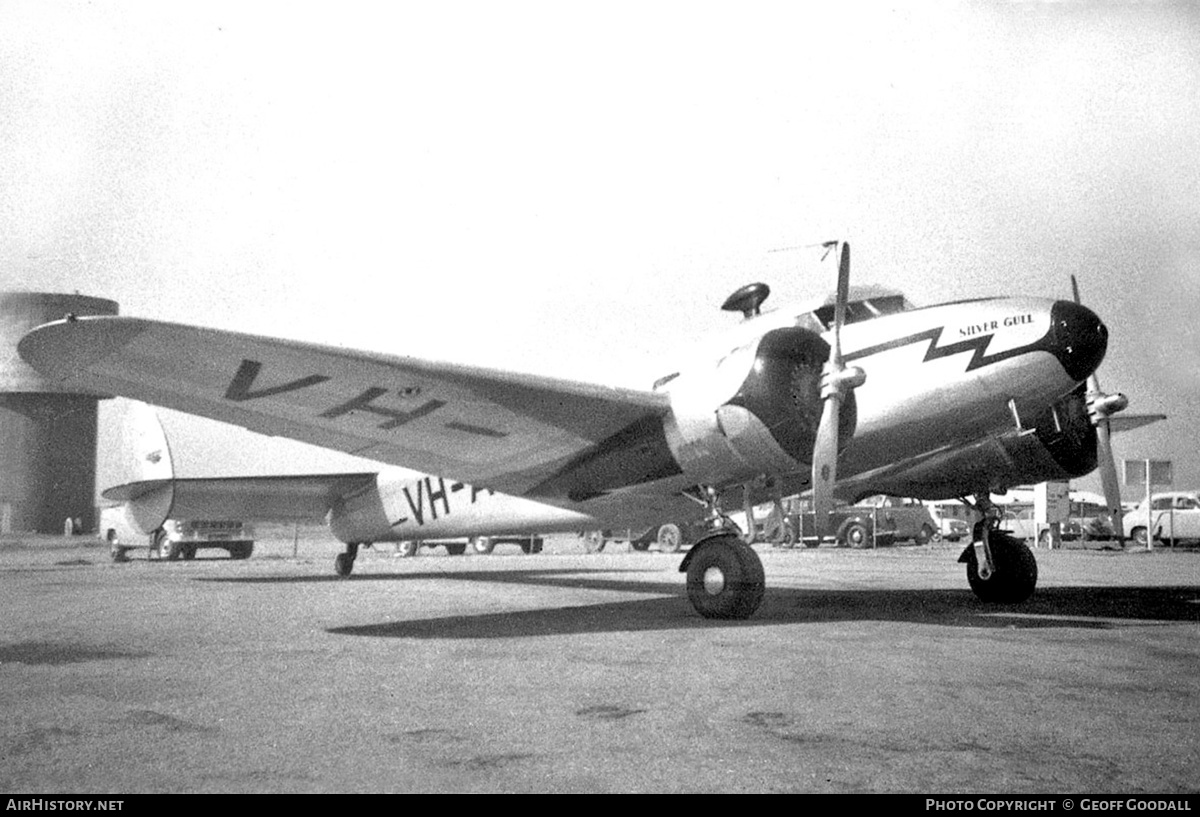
x: 1101, y: 406
x: 837, y: 380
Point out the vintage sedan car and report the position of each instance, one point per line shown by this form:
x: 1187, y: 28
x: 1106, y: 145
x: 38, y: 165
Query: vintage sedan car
x: 1173, y: 516
x: 1020, y: 522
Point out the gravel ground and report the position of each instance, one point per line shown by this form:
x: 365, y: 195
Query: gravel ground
x: 864, y: 671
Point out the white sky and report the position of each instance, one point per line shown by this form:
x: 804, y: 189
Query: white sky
x: 572, y: 188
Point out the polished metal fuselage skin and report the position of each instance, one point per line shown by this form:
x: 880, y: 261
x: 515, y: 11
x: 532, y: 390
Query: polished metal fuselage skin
x: 950, y: 407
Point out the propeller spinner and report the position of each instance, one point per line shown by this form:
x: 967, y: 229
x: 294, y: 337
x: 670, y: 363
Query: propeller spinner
x: 836, y: 382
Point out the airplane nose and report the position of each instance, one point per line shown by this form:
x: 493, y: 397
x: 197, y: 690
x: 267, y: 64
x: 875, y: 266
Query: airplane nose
x: 1080, y: 338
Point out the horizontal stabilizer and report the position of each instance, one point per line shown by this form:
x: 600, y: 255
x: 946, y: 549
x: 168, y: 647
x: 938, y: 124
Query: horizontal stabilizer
x: 306, y: 498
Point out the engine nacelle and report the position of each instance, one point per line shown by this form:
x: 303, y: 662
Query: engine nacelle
x: 756, y: 413
x: 1059, y: 444
x: 1068, y: 435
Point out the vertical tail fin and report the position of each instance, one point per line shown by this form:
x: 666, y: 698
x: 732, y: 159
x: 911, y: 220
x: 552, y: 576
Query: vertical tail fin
x: 148, y: 470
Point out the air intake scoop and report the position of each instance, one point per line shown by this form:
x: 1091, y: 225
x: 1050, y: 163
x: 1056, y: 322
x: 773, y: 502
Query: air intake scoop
x: 747, y: 300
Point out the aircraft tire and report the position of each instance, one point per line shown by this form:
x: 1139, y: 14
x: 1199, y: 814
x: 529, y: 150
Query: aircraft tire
x: 1016, y: 571
x: 343, y: 565
x: 725, y: 578
x: 669, y: 538
x: 161, y: 547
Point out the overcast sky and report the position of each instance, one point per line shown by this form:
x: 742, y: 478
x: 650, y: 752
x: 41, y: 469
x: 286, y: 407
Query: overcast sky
x: 572, y: 188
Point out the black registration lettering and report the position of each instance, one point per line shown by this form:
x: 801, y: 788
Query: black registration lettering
x: 364, y: 402
x: 240, y: 388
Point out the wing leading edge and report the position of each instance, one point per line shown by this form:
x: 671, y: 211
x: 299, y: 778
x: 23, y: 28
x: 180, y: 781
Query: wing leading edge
x: 509, y: 431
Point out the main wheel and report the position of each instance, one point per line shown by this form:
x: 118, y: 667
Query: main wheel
x: 1016, y: 571
x: 343, y: 565
x: 669, y: 538
x: 725, y: 578
x: 118, y: 553
x: 162, y: 547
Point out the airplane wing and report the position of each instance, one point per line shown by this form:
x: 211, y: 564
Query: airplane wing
x: 261, y: 499
x: 507, y: 431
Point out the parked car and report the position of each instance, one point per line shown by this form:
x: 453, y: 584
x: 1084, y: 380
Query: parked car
x: 955, y: 520
x: 1020, y: 523
x: 900, y: 518
x: 177, y: 538
x: 479, y: 544
x: 1173, y: 516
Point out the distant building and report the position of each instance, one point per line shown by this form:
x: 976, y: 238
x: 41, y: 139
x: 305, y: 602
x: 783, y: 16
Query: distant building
x: 47, y: 433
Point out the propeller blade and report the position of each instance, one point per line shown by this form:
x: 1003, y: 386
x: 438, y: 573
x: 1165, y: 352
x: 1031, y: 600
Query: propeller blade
x: 1108, y: 477
x: 825, y: 447
x: 839, y: 305
x: 825, y: 451
x: 1105, y: 461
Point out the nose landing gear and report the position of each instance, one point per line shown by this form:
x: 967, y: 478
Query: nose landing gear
x: 1000, y: 568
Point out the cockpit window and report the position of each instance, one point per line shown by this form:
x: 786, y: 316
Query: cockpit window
x: 864, y: 310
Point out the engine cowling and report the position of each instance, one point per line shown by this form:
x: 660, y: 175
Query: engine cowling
x: 1059, y: 444
x: 758, y: 413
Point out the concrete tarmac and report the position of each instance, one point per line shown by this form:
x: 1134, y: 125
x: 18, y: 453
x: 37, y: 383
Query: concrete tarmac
x: 864, y: 671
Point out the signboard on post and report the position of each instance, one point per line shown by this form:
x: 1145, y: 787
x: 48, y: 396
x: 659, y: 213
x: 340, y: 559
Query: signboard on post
x: 1150, y: 473
x: 1160, y: 472
x: 1051, y: 507
x: 1051, y: 502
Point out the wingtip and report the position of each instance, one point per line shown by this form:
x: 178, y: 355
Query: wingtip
x: 64, y: 349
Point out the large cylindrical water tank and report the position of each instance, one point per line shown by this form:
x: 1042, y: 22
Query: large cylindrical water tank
x: 47, y: 433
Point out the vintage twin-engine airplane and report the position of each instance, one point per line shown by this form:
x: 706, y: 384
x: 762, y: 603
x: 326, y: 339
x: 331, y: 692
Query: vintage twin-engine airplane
x: 844, y: 398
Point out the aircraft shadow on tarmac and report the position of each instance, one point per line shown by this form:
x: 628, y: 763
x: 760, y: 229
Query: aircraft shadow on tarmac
x: 1075, y: 607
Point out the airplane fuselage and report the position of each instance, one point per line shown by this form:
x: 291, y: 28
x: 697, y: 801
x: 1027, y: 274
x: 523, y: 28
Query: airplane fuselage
x: 948, y: 389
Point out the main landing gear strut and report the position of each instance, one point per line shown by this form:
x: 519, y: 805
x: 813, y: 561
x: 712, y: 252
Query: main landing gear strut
x: 1000, y: 568
x: 724, y: 575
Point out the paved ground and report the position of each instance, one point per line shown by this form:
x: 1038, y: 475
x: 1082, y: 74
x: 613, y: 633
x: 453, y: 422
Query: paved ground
x: 863, y: 671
